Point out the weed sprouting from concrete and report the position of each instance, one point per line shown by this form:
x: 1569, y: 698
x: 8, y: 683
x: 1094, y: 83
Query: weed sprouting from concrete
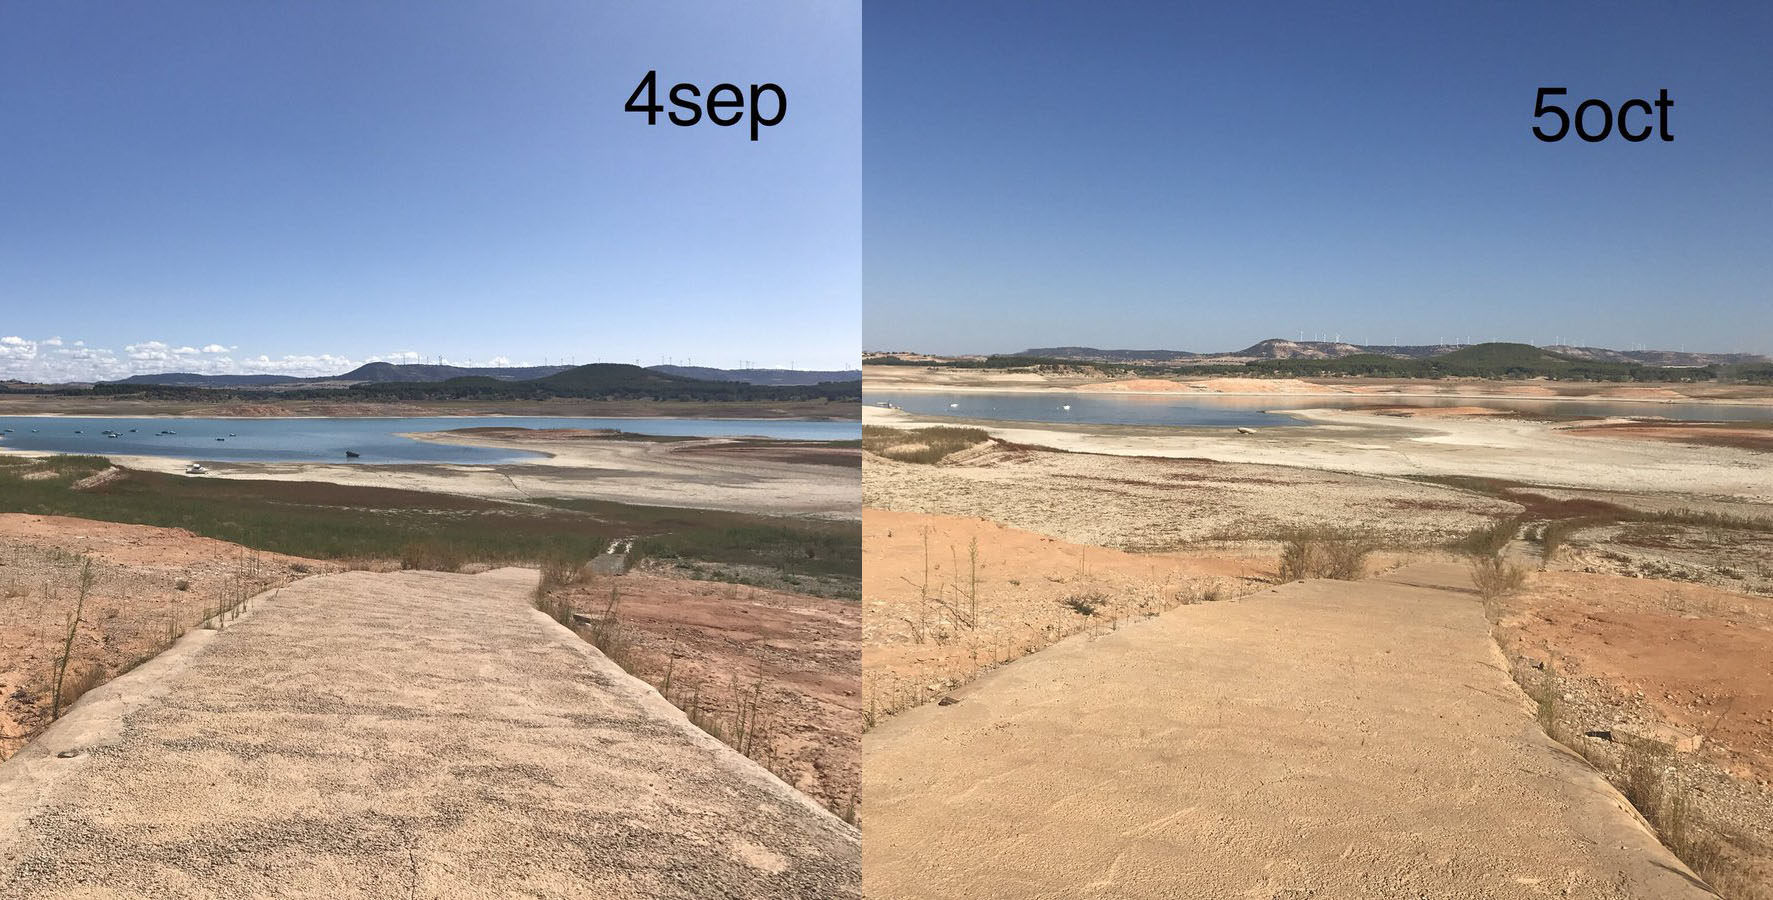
x: 62, y: 691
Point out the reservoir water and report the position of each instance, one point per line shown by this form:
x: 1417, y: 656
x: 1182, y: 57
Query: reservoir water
x: 377, y: 440
x: 1254, y: 411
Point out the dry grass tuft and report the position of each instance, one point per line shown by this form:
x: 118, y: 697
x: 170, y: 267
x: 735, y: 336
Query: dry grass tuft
x: 1338, y: 553
x: 432, y: 556
x: 920, y: 445
x: 1489, y: 540
x: 1496, y: 577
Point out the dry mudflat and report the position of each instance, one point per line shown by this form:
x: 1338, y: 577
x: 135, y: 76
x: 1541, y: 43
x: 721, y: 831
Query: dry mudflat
x: 717, y: 473
x: 1360, y: 443
x: 1156, y: 502
x: 400, y: 734
x: 1320, y: 739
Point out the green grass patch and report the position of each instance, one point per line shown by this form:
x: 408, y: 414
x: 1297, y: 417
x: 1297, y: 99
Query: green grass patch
x: 791, y: 546
x: 421, y: 529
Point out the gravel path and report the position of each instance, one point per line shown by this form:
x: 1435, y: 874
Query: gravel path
x: 411, y: 735
x: 1322, y: 739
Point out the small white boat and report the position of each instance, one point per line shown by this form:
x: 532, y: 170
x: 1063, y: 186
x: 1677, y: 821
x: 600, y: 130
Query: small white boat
x: 196, y: 469
x: 1066, y: 407
x: 954, y: 406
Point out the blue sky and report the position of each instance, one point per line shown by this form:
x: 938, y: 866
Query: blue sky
x: 1196, y: 176
x: 300, y: 187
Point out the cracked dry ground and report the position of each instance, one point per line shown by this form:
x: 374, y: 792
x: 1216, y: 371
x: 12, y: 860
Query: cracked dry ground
x: 400, y: 734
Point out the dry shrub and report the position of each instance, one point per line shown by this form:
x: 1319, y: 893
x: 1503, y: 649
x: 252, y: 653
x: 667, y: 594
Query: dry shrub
x: 1496, y: 577
x: 607, y: 633
x: 1554, y: 536
x: 1085, y: 603
x: 559, y: 573
x: 1339, y: 553
x: 432, y: 556
x: 1489, y: 540
x: 920, y: 445
x: 78, y: 682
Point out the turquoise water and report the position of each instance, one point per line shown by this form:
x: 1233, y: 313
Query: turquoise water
x: 1252, y: 412
x: 376, y: 439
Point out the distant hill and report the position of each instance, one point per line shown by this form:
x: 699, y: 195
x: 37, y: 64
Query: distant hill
x: 1502, y: 355
x: 1091, y: 354
x: 420, y: 373
x: 1273, y: 348
x: 760, y: 376
x: 382, y: 373
x: 610, y: 381
x: 1410, y: 351
x: 191, y: 379
x: 1659, y: 357
x: 1489, y: 360
x: 1280, y: 348
x: 382, y: 382
x: 605, y: 376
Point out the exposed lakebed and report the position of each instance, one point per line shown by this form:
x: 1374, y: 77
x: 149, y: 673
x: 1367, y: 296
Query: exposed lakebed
x: 376, y: 440
x: 1094, y: 408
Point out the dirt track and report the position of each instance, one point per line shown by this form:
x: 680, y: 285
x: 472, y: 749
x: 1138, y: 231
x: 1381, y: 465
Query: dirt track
x: 399, y: 734
x: 1323, y: 739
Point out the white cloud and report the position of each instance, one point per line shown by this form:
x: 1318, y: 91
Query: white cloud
x: 56, y: 361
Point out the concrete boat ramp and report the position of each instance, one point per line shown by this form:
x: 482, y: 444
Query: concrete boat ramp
x: 409, y: 735
x: 1322, y: 739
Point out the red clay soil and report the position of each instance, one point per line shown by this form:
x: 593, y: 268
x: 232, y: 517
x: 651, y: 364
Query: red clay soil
x: 717, y: 639
x: 923, y: 636
x: 780, y: 452
x: 149, y: 583
x: 1742, y: 436
x: 1701, y: 658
